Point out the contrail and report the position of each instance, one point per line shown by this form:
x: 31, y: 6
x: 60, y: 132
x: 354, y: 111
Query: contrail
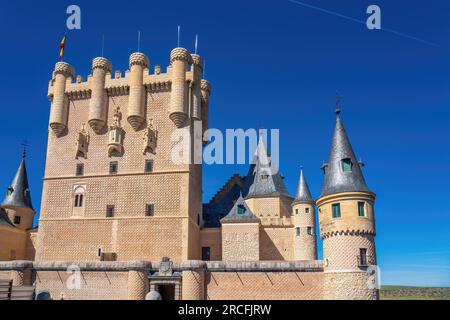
x: 337, y: 14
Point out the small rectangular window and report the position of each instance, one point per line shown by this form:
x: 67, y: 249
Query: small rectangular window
x: 148, y: 166
x: 347, y: 165
x: 17, y: 219
x: 336, y: 208
x: 361, y: 209
x: 309, y: 231
x: 240, y: 209
x: 113, y: 167
x: 206, y: 253
x: 363, y: 257
x: 109, y: 211
x: 297, y: 231
x: 149, y: 209
x: 80, y: 169
x: 296, y: 211
x: 307, y: 210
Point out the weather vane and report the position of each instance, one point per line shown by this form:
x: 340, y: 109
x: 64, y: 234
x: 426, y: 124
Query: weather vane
x: 24, y: 148
x: 338, y: 102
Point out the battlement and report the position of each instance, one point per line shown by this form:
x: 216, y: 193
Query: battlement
x: 118, y: 83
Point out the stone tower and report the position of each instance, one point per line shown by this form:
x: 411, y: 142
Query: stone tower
x: 347, y: 224
x: 304, y: 215
x: 111, y: 189
x: 17, y: 202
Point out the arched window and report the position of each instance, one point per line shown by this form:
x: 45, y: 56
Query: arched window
x: 78, y: 201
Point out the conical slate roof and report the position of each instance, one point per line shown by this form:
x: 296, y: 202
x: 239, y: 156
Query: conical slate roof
x: 4, y: 220
x: 303, y: 193
x: 18, y: 193
x: 240, y: 213
x: 336, y: 179
x: 262, y: 179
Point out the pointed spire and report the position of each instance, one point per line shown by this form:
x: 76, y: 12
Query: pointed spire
x: 261, y: 179
x: 303, y: 193
x: 18, y: 193
x: 342, y: 172
x: 240, y: 212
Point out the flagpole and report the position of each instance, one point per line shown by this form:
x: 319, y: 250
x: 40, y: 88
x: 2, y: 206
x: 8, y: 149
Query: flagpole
x: 139, y: 41
x: 103, y: 45
x: 196, y: 43
x: 179, y: 36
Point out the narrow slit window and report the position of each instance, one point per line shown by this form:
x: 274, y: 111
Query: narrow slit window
x: 309, y: 231
x: 113, y: 167
x: 80, y: 169
x: 149, y: 209
x: 297, y: 231
x: 361, y: 209
x: 148, y: 166
x: 336, y: 208
x: 109, y: 211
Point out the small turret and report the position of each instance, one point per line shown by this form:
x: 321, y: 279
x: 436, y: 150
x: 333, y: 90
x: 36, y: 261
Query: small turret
x: 17, y: 201
x: 197, y: 69
x: 205, y: 88
x: 63, y: 73
x: 98, y: 104
x: 136, y: 107
x: 304, y: 213
x: 347, y: 224
x: 180, y: 59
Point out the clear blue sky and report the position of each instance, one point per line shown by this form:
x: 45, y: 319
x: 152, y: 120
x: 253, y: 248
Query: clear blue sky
x: 274, y: 64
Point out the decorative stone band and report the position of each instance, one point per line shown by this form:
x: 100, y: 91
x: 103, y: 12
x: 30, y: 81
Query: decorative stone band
x: 138, y: 58
x: 101, y: 63
x: 347, y: 233
x: 265, y: 266
x: 158, y: 86
x: 190, y: 265
x: 118, y: 91
x: 65, y: 69
x: 180, y: 54
x: 79, y: 94
x: 205, y: 86
x: 295, y: 202
x: 197, y: 60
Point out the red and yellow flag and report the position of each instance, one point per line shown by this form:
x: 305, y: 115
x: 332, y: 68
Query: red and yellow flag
x: 61, y: 47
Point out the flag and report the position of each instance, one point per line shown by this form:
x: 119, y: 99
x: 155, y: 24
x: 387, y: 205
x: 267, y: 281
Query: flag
x: 61, y: 47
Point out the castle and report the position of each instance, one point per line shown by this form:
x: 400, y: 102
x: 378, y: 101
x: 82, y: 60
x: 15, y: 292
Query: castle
x: 118, y: 210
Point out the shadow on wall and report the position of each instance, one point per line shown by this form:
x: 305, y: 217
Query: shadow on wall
x: 267, y: 249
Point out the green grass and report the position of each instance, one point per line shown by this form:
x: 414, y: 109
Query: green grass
x: 414, y: 293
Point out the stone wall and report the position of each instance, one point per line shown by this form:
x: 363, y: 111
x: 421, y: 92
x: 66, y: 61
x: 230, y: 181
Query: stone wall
x: 12, y: 239
x: 212, y: 238
x: 240, y: 241
x: 265, y: 285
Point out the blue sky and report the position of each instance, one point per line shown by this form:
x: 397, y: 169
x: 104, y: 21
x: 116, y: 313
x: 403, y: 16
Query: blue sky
x: 274, y: 64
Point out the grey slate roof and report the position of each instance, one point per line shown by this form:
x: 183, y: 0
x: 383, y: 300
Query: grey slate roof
x: 262, y: 179
x: 4, y: 220
x: 303, y: 193
x: 19, y: 189
x: 336, y: 180
x: 219, y: 207
x: 234, y: 216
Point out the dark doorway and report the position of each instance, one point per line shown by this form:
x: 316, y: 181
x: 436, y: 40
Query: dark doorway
x: 206, y: 253
x: 167, y: 291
